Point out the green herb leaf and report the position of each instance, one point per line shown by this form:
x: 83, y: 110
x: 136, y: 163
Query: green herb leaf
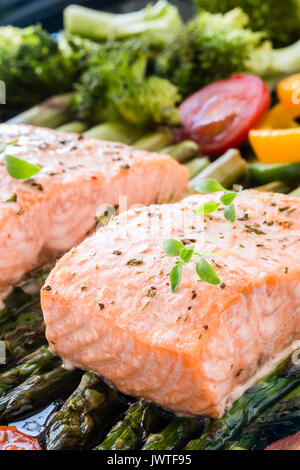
x: 20, y: 169
x: 207, y: 208
x: 228, y: 198
x: 206, y: 272
x: 209, y: 185
x: 172, y: 247
x: 186, y: 253
x: 175, y: 277
x: 229, y: 213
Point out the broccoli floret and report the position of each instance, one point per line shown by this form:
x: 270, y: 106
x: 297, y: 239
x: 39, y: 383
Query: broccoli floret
x: 152, y: 101
x: 157, y: 23
x: 209, y: 48
x: 279, y: 18
x: 273, y: 64
x: 115, y: 87
x: 34, y: 65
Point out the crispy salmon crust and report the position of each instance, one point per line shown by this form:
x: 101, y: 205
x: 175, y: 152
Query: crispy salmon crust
x: 55, y: 210
x: 108, y: 306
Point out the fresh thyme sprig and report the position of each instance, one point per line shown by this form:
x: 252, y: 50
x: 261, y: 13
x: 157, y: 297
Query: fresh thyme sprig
x: 208, y: 186
x: 184, y: 254
x: 16, y: 167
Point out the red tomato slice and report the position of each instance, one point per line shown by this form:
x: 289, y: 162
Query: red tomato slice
x: 12, y: 439
x: 219, y: 116
x: 288, y: 443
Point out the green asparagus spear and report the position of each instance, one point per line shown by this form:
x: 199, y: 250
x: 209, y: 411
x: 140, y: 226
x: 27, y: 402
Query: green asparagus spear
x: 81, y: 415
x: 23, y: 297
x: 130, y: 432
x: 175, y: 435
x: 197, y: 165
x: 295, y: 193
x: 115, y: 132
x: 76, y: 126
x: 51, y: 113
x: 29, y: 365
x: 276, y: 187
x: 25, y: 339
x: 36, y: 392
x: 282, y: 420
x: 263, y: 173
x: 183, y: 151
x: 246, y: 408
x: 155, y: 141
x: 228, y: 169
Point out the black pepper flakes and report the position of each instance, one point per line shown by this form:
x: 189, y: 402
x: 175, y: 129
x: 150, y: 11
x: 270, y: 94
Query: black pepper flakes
x: 117, y: 252
x: 134, y: 262
x: 47, y: 287
x: 101, y: 306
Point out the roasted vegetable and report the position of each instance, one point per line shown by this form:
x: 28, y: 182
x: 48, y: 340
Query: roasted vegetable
x: 246, y: 408
x: 136, y: 425
x: 207, y: 49
x: 280, y: 421
x: 174, y: 435
x: 157, y: 23
x: 36, y: 392
x: 34, y: 66
x: 263, y: 173
x: 81, y: 415
x: 29, y: 365
x: 115, y: 87
x: 280, y: 19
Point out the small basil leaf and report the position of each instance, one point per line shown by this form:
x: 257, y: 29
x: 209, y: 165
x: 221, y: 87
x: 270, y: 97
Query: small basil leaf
x: 20, y: 169
x: 207, y: 208
x: 172, y: 247
x: 228, y: 198
x: 186, y: 253
x: 229, y: 213
x: 206, y: 272
x: 209, y: 186
x: 175, y: 277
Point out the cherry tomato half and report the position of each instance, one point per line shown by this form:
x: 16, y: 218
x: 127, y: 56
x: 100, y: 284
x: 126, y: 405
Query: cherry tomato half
x: 12, y: 439
x: 220, y: 115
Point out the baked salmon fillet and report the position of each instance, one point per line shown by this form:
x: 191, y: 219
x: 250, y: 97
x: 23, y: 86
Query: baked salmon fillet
x: 109, y: 308
x: 55, y: 210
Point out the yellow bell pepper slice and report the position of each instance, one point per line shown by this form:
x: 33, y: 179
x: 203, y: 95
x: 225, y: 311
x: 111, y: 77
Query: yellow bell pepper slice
x: 288, y: 91
x: 277, y: 137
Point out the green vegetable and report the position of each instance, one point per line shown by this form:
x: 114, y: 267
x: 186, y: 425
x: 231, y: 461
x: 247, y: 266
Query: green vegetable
x: 207, y: 49
x: 50, y: 113
x: 115, y: 132
x: 115, y: 87
x: 282, y: 420
x: 197, y: 165
x: 26, y: 368
x: 128, y: 434
x: 155, y: 141
x: 157, y: 23
x: 280, y: 19
x: 227, y: 170
x: 175, y: 435
x: 19, y: 169
x: 246, y: 408
x: 274, y: 64
x: 36, y: 392
x: 263, y: 173
x: 81, y: 415
x: 75, y: 126
x: 34, y: 66
x: 185, y: 151
x: 276, y: 187
x: 205, y: 271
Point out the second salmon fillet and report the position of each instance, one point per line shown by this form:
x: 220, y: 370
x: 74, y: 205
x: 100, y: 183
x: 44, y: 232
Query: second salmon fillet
x: 56, y: 209
x: 109, y: 308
